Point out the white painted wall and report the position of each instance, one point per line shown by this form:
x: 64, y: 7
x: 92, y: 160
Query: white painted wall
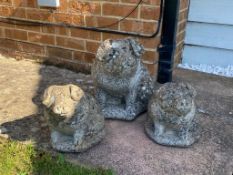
x: 209, y: 33
x: 203, y: 55
x: 211, y: 11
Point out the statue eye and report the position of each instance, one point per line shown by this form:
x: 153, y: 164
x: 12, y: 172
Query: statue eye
x: 124, y: 48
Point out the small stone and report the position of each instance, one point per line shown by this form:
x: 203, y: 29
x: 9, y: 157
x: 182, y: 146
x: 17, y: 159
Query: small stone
x: 90, y: 81
x: 230, y: 113
x: 3, y: 130
x: 84, y: 87
x: 35, y: 129
x: 6, y: 136
x: 79, y: 80
x: 202, y: 111
x: 91, y: 87
x: 43, y: 125
x: 42, y: 118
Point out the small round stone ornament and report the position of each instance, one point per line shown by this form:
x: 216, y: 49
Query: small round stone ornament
x: 74, y: 118
x: 172, y: 119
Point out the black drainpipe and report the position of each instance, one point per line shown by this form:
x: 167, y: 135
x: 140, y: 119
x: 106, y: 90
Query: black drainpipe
x: 168, y: 40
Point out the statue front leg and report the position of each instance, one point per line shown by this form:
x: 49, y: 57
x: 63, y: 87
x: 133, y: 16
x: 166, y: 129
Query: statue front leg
x: 133, y: 106
x: 101, y: 97
x: 78, y: 137
x: 61, y: 142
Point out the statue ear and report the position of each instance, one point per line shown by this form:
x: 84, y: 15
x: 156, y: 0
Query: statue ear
x: 136, y: 47
x: 76, y: 93
x: 47, y: 99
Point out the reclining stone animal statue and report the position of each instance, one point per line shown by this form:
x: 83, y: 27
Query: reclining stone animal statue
x: 123, y: 85
x: 171, y: 116
x: 74, y: 118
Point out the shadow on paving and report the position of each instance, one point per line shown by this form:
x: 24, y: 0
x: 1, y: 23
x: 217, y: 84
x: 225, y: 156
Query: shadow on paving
x: 32, y: 79
x: 34, y: 127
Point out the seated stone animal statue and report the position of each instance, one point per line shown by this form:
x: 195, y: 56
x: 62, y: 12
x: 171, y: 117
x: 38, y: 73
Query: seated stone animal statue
x: 123, y: 85
x: 171, y: 116
x: 74, y: 118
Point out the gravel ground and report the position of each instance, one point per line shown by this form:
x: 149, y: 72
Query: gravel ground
x: 126, y: 149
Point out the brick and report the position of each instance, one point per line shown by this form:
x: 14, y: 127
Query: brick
x: 39, y: 15
x: 148, y: 12
x: 111, y: 0
x: 78, y: 20
x: 8, y: 44
x: 92, y: 46
x: 59, y: 53
x: 85, y: 34
x: 55, y: 30
x: 119, y: 10
x: 84, y: 57
x: 98, y: 21
x: 84, y: 7
x: 63, y: 6
x: 150, y: 56
x: 184, y: 4
x: 112, y: 36
x: 70, y: 43
x: 33, y: 49
x: 70, y: 64
x: 179, y: 47
x: 180, y: 37
x: 150, y: 43
x: 152, y: 2
x: 153, y: 69
x: 6, y: 2
x: 3, y: 24
x: 6, y: 10
x: 16, y: 34
x: 177, y: 58
x: 181, y: 26
x: 41, y: 38
x: 68, y: 19
x: 28, y: 28
x: 89, y: 57
x: 183, y: 15
x: 25, y: 3
x: 138, y: 26
x: 48, y: 29
x: 2, y: 33
x: 149, y: 2
x: 19, y: 13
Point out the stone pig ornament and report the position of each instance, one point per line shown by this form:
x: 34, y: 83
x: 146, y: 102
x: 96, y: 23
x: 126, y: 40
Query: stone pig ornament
x: 74, y: 118
x: 123, y: 85
x: 172, y: 119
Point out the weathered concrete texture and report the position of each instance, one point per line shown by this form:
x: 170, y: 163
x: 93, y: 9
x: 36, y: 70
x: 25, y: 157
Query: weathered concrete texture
x: 74, y: 118
x: 172, y: 119
x: 123, y: 84
x: 126, y: 148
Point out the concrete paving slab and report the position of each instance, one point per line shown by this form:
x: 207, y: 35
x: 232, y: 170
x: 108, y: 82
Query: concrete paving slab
x: 126, y: 148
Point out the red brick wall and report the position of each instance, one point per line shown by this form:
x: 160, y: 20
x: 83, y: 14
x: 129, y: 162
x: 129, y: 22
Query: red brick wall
x: 74, y: 47
x: 183, y: 15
